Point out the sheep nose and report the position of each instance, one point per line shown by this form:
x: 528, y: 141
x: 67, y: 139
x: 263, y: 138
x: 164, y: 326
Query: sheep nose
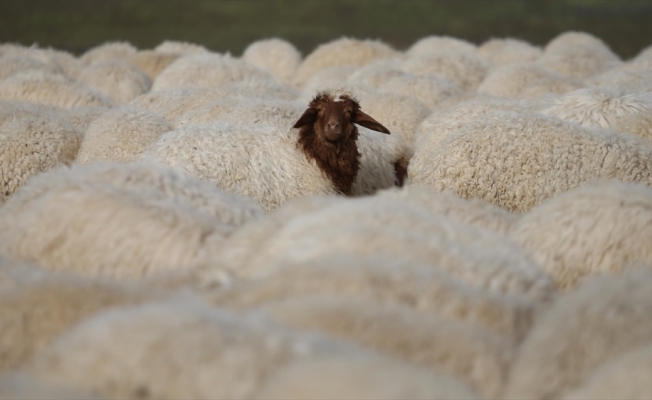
x: 333, y: 126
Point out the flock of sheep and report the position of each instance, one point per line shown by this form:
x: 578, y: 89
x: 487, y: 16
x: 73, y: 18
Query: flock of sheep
x: 178, y: 223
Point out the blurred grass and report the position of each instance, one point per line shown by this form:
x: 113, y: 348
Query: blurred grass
x: 230, y: 25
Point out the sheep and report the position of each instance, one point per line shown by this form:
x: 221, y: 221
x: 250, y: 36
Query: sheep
x: 500, y: 52
x: 203, y: 70
x: 327, y: 78
x: 273, y: 165
x: 180, y: 48
x: 342, y: 52
x: 32, y: 140
x: 57, y: 59
x: 383, y: 281
x: 625, y: 377
x: 602, y: 319
x: 478, y: 358
x: 441, y: 123
x: 152, y: 62
x: 50, y: 89
x: 81, y: 117
x: 431, y: 91
x: 436, y: 44
x: 560, y: 233
x: 118, y: 79
x: 10, y: 65
x: 121, y: 134
x: 465, y: 69
x: 377, y: 73
x: 392, y: 229
x: 639, y: 124
x: 516, y: 161
x: 276, y: 55
x: 108, y: 51
x: 359, y: 378
x: 182, y: 349
x: 514, y: 80
x: 33, y: 312
x: 473, y: 212
x: 600, y: 107
x: 22, y: 386
x: 64, y: 220
x: 578, y: 55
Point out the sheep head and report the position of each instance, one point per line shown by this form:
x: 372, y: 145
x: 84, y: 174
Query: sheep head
x: 328, y: 135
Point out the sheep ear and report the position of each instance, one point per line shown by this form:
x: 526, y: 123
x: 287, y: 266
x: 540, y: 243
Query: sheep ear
x: 365, y: 120
x: 309, y: 117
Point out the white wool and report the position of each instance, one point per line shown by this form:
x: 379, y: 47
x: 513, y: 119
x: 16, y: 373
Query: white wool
x: 602, y: 319
x: 600, y: 107
x: 379, y: 153
x: 377, y: 73
x: 118, y: 79
x: 180, y: 48
x: 278, y: 56
x: 203, y: 70
x: 181, y: 349
x: 121, y: 134
x: 152, y: 62
x: 519, y: 80
x: 325, y: 79
x: 342, y: 52
x: 33, y: 139
x: 517, y: 160
x: 500, y: 52
x: 11, y: 65
x: 23, y: 386
x: 57, y: 59
x: 108, y: 51
x: 435, y: 44
x: 430, y: 90
x: 465, y: 69
x: 562, y: 238
x: 52, y: 90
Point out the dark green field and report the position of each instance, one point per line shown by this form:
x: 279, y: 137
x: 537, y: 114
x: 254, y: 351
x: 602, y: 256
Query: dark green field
x: 229, y: 25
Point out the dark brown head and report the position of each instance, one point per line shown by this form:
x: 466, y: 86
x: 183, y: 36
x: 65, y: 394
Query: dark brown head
x: 328, y: 135
x: 333, y: 119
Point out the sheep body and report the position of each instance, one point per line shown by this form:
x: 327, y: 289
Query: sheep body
x: 121, y: 134
x: 500, y: 52
x: 515, y: 161
x: 582, y: 330
x: 108, y: 51
x: 275, y: 55
x: 520, y: 80
x: 11, y: 65
x: 434, y: 44
x: 560, y: 233
x: 152, y: 62
x: 465, y: 69
x: 180, y: 48
x: 120, y: 80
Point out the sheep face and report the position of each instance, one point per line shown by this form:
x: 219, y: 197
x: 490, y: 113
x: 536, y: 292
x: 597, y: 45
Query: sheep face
x: 333, y: 118
x: 328, y: 136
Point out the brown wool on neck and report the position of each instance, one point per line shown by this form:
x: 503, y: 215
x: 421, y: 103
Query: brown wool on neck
x: 339, y: 160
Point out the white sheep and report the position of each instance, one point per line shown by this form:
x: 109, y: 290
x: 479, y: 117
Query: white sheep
x: 392, y: 229
x: 500, y: 52
x: 203, y: 70
x: 184, y: 349
x: 149, y: 220
x: 465, y: 69
x: 23, y: 386
x: 625, y: 377
x: 600, y: 107
x: 383, y: 281
x: 525, y: 80
x: 118, y: 79
x: 473, y: 212
x: 360, y: 378
x: 273, y: 165
x: 342, y: 52
x: 377, y: 73
x: 578, y: 55
x: 108, y: 51
x: 517, y: 160
x: 180, y: 48
x: 34, y: 311
x: 584, y: 329
x: 436, y: 44
x: 479, y: 358
x: 152, y: 62
x: 58, y: 59
x: 10, y: 65
x: 51, y: 89
x: 278, y: 56
x: 121, y: 134
x: 81, y: 117
x: 33, y: 139
x: 430, y: 90
x: 562, y: 238
x: 327, y: 78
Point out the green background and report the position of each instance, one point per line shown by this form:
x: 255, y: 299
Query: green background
x: 230, y: 25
